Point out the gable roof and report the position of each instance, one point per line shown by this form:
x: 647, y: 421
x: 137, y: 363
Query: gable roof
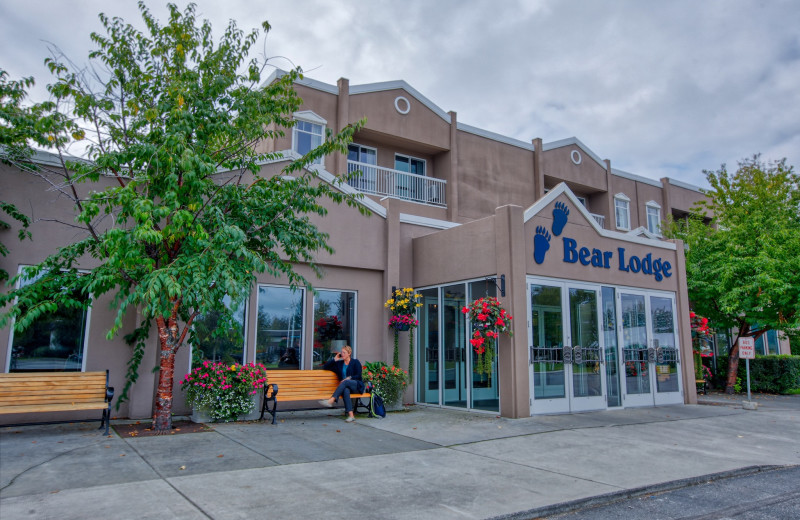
x: 648, y: 239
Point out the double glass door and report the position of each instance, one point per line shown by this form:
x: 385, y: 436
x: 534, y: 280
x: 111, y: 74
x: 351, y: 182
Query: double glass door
x: 566, y: 352
x: 650, y: 358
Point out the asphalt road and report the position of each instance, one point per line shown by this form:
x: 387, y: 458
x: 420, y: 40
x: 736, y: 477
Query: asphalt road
x: 765, y: 495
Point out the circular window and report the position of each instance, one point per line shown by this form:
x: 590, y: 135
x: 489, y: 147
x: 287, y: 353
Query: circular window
x: 402, y: 105
x: 576, y: 156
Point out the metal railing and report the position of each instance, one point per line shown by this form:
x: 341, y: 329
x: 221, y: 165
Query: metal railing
x: 396, y: 184
x: 601, y: 219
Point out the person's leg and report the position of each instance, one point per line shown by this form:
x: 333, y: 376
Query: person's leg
x: 349, y: 386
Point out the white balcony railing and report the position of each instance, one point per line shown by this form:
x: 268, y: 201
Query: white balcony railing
x: 396, y: 184
x: 601, y: 219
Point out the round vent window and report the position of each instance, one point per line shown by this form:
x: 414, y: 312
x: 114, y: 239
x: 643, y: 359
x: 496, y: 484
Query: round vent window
x: 402, y: 105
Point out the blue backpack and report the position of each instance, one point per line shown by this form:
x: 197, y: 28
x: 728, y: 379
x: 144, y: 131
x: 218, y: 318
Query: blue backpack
x: 376, y: 408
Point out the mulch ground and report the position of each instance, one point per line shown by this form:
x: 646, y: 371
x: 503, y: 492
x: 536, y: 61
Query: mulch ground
x: 143, y: 429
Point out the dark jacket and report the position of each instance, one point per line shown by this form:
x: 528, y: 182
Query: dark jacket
x: 353, y: 370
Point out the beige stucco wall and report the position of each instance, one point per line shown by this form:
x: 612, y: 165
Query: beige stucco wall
x: 587, y: 177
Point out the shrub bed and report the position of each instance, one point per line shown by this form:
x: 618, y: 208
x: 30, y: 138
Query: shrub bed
x: 772, y: 374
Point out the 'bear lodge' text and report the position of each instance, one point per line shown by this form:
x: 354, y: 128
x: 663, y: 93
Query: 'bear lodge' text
x: 659, y: 268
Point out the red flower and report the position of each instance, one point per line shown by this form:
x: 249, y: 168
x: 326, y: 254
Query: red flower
x: 465, y: 310
x: 692, y: 314
x: 482, y: 317
x: 500, y: 323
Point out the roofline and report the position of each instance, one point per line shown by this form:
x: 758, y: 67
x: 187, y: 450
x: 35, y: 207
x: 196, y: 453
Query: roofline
x: 542, y: 203
x: 685, y: 185
x: 634, y: 177
x: 494, y: 136
x: 573, y: 141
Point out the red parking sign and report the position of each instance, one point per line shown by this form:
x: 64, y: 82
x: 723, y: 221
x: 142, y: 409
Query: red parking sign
x: 747, y: 348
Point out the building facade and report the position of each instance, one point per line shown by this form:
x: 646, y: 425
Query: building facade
x: 569, y: 245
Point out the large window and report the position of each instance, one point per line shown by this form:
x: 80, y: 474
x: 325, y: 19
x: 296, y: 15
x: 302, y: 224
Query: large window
x: 653, y: 218
x: 217, y: 341
x: 362, y: 154
x: 622, y: 211
x: 408, y: 164
x: 279, y: 327
x: 55, y: 341
x: 307, y: 134
x: 334, y: 323
x: 767, y: 343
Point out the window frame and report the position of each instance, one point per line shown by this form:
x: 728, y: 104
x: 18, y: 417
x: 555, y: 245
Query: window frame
x: 622, y: 201
x: 302, y: 327
x: 411, y: 158
x: 245, y: 326
x: 653, y: 206
x: 311, y: 118
x: 86, y: 329
x: 312, y: 321
x: 361, y: 148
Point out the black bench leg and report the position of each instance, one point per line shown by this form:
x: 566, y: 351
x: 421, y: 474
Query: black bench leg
x: 106, y: 420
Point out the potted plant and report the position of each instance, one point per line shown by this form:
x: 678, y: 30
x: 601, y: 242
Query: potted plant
x: 488, y: 320
x: 224, y: 392
x: 403, y: 305
x: 390, y: 382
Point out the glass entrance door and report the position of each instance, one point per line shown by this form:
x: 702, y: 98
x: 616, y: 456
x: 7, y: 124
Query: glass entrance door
x: 454, y: 343
x: 566, y: 352
x: 651, y: 362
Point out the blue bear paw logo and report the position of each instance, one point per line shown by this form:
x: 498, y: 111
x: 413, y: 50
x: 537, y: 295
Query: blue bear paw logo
x: 541, y: 243
x: 560, y: 214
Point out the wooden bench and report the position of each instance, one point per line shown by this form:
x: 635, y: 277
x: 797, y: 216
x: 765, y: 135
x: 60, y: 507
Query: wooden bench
x: 302, y: 385
x: 33, y: 392
x: 701, y: 384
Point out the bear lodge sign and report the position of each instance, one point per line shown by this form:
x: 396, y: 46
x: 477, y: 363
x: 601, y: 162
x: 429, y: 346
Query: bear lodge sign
x: 658, y: 268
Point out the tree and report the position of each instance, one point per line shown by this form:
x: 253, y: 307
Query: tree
x: 743, y: 270
x: 176, y: 211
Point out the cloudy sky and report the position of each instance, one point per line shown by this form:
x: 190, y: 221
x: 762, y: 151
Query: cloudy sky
x: 659, y: 88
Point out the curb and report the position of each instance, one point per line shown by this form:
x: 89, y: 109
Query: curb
x: 617, y: 496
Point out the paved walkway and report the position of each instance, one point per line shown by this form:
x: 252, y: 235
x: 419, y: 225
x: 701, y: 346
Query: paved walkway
x: 424, y: 463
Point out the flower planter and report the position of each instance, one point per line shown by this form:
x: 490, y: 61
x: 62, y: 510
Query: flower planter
x: 201, y: 415
x: 401, y: 327
x: 396, y: 406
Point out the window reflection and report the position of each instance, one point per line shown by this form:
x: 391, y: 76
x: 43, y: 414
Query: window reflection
x: 279, y: 328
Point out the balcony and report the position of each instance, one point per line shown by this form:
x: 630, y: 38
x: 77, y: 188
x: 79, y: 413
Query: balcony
x: 386, y: 182
x: 600, y: 219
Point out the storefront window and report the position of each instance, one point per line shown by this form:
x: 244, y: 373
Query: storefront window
x: 54, y: 342
x: 485, y: 385
x: 610, y: 337
x: 428, y: 337
x: 334, y: 324
x: 279, y: 327
x: 767, y: 343
x: 219, y: 342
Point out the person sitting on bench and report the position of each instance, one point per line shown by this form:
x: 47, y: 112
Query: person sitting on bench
x: 348, y: 370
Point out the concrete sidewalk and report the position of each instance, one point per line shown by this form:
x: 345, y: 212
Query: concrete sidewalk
x: 424, y: 463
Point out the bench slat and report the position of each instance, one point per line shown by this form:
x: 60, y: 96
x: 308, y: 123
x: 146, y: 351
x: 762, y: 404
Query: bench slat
x: 53, y: 407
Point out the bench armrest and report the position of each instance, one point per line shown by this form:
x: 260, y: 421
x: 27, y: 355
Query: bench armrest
x: 109, y: 393
x: 274, y: 387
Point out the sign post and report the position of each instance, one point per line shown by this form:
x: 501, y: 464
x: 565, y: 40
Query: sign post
x: 747, y: 351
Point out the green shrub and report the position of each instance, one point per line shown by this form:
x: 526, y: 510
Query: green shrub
x: 775, y: 374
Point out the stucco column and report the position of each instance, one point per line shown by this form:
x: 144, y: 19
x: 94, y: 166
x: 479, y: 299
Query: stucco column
x: 612, y: 209
x: 342, y: 116
x: 391, y: 273
x: 452, y: 180
x: 538, y: 174
x: 513, y: 352
x: 684, y: 326
x: 666, y: 204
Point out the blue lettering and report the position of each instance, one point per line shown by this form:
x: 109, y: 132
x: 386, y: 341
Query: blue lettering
x: 607, y: 259
x: 635, y: 264
x: 570, y: 255
x: 622, y: 267
x: 647, y: 264
x: 597, y: 258
x: 657, y: 269
x: 666, y: 266
x: 584, y: 255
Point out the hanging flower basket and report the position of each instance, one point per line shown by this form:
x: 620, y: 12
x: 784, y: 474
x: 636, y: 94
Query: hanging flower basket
x: 489, y: 320
x: 402, y: 323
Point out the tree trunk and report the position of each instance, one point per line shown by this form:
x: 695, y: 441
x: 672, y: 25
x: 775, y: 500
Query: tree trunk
x: 733, y: 368
x: 167, y: 337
